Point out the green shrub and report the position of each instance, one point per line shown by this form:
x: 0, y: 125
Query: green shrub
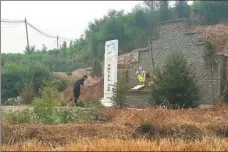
x: 19, y: 117
x: 13, y: 101
x: 119, y: 93
x: 44, y: 106
x: 60, y: 85
x: 81, y: 103
x: 225, y: 94
x: 74, y: 115
x: 27, y: 94
x: 16, y: 74
x: 175, y: 85
x: 58, y: 115
x: 96, y: 68
x: 66, y: 116
x: 93, y: 104
x: 69, y: 73
x: 97, y: 104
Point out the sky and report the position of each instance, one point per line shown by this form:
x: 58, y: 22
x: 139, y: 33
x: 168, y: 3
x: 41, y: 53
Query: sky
x: 68, y: 19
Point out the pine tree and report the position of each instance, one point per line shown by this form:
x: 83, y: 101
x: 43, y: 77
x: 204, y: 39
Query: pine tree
x: 119, y: 92
x: 164, y: 11
x: 175, y: 84
x: 96, y: 69
x: 182, y: 9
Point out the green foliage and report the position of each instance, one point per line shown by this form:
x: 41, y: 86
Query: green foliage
x: 48, y: 111
x: 175, y: 84
x: 97, y: 104
x: 81, y: 103
x: 44, y: 48
x: 119, y: 93
x: 51, y: 59
x: 182, y: 9
x: 164, y: 11
x: 60, y: 85
x: 16, y: 74
x: 49, y: 96
x: 93, y: 104
x: 96, y: 69
x: 212, y: 12
x: 209, y: 58
x: 225, y: 93
x: 63, y: 49
x: 27, y: 94
x: 29, y: 49
x: 60, y: 115
x: 13, y: 101
x: 132, y: 30
x: 209, y: 53
x: 44, y: 106
x: 19, y: 117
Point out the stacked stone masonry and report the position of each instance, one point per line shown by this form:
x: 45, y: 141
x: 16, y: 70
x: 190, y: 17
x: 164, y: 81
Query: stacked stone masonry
x: 171, y: 37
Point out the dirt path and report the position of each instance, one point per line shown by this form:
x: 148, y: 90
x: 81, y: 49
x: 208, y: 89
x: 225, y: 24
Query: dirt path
x: 17, y: 108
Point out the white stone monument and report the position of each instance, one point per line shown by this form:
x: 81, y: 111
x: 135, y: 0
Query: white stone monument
x: 110, y: 71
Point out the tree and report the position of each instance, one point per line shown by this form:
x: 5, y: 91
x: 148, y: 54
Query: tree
x: 63, y: 48
x: 96, y: 69
x: 15, y: 75
x: 212, y: 12
x: 119, y: 97
x: 44, y: 48
x: 209, y: 58
x: 225, y: 93
x: 153, y: 5
x: 27, y: 93
x: 175, y: 85
x: 29, y: 50
x: 182, y: 9
x: 164, y: 11
x: 2, y: 62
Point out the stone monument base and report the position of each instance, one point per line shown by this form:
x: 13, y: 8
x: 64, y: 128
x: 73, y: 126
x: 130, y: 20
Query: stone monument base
x: 106, y: 102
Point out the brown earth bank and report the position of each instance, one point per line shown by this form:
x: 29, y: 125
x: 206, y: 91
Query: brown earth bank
x: 217, y: 34
x: 124, y: 124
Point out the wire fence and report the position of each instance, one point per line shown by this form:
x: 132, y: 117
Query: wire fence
x: 15, y: 35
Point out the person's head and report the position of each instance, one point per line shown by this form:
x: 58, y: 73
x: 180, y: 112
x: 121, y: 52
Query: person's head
x: 84, y: 77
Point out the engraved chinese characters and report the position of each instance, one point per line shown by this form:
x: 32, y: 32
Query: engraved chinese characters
x: 110, y: 70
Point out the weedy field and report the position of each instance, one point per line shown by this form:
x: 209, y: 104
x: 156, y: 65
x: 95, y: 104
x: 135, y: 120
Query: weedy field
x: 124, y: 129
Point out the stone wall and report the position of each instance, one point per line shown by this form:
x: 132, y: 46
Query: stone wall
x: 144, y: 61
x: 138, y: 99
x: 172, y: 36
x: 226, y: 65
x: 223, y: 60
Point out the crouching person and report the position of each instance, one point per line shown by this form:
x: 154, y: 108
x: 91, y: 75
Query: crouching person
x: 77, y: 87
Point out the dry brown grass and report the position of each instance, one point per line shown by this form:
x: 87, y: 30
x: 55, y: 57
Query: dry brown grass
x: 126, y: 145
x: 121, y: 131
x: 166, y: 117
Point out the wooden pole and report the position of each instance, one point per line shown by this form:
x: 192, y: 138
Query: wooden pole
x: 27, y: 34
x: 150, y: 41
x: 57, y: 42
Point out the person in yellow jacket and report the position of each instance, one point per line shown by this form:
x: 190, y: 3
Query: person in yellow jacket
x: 141, y: 77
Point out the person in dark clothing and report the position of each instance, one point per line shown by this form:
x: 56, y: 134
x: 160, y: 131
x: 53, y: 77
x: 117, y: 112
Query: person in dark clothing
x: 77, y: 87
